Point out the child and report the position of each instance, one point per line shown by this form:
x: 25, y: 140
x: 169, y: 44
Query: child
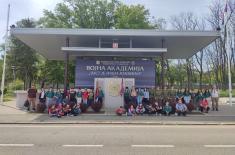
x: 90, y: 97
x: 181, y: 108
x: 76, y: 110
x: 131, y: 111
x: 52, y: 111
x: 79, y: 96
x: 120, y: 111
x: 140, y: 96
x: 204, y: 106
x: 59, y: 108
x: 67, y: 110
x: 49, y: 96
x: 150, y: 109
x: 140, y: 109
x: 158, y: 108
x: 85, y: 96
x: 167, y: 109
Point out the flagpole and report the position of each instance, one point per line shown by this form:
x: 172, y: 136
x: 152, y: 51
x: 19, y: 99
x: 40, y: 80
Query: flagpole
x: 5, y: 50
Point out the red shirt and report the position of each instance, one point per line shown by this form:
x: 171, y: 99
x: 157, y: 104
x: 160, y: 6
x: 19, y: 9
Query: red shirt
x: 32, y: 93
x: 85, y: 95
x: 204, y: 103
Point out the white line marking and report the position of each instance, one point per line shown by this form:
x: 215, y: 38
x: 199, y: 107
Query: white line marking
x: 220, y: 146
x: 16, y: 145
x: 108, y: 126
x: 153, y: 146
x: 99, y: 146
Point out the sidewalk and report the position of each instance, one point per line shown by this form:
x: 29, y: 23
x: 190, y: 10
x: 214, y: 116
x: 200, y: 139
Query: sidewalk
x: 9, y: 114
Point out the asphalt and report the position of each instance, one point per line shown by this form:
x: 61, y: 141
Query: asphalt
x: 116, y: 140
x: 9, y: 114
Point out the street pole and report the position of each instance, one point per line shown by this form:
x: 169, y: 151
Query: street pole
x: 228, y: 49
x: 228, y: 32
x: 5, y: 50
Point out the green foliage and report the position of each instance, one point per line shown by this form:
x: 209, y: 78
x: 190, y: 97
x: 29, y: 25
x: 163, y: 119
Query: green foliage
x: 225, y: 93
x: 22, y: 57
x: 16, y: 85
x: 80, y: 14
x: 132, y: 17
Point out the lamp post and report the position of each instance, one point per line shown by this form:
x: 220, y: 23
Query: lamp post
x: 4, y: 58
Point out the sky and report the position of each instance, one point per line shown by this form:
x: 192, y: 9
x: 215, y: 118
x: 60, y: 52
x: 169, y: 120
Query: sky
x: 159, y: 8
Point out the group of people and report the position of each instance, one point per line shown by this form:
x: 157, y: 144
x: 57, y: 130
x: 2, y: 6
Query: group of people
x: 58, y: 103
x: 137, y: 102
x: 156, y: 108
x: 201, y: 99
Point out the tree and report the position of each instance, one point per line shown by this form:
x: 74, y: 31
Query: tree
x: 81, y: 14
x: 100, y: 14
x: 132, y: 17
x: 22, y: 57
x: 217, y: 51
x: 185, y: 21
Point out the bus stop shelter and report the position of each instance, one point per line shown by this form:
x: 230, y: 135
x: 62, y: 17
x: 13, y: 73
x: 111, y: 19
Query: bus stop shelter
x: 66, y: 44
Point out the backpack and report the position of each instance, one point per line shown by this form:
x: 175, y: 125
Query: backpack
x: 26, y: 103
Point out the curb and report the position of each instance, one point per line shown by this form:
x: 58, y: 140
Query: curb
x: 121, y: 123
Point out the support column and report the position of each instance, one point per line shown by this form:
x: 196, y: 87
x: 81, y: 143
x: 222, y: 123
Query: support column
x: 66, y: 62
x: 162, y: 71
x: 162, y: 67
x: 131, y: 45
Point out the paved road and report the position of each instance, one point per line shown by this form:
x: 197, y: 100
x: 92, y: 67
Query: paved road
x: 116, y: 139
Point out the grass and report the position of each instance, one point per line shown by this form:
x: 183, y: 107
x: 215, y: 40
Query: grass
x: 225, y: 93
x: 9, y: 96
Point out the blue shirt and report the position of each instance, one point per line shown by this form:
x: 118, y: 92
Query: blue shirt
x: 181, y: 107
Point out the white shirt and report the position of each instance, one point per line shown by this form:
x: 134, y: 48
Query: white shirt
x: 146, y: 94
x: 215, y: 93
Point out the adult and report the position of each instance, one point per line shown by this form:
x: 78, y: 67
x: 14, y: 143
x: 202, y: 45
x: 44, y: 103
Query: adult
x: 215, y: 98
x: 181, y: 108
x: 32, y: 93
